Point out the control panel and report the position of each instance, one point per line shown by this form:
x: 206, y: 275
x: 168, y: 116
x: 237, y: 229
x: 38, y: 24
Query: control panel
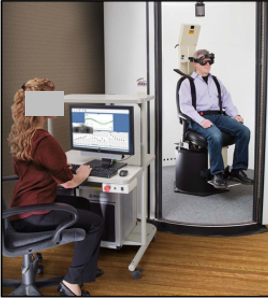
x: 119, y: 188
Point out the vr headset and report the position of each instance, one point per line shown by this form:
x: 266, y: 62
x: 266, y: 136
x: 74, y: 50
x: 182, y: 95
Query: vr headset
x: 201, y: 60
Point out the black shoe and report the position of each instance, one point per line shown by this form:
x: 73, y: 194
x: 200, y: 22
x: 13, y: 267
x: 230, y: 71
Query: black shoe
x: 99, y: 272
x: 66, y: 292
x: 241, y: 177
x: 219, y: 181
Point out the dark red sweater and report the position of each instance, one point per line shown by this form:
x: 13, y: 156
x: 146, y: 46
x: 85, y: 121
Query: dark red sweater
x: 38, y: 179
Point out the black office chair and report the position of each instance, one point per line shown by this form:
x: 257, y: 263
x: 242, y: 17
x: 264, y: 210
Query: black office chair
x: 16, y: 244
x: 192, y: 173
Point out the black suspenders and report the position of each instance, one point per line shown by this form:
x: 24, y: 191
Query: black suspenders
x: 219, y: 91
x: 194, y: 93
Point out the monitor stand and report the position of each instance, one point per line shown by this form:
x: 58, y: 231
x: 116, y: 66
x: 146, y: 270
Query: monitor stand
x: 106, y: 163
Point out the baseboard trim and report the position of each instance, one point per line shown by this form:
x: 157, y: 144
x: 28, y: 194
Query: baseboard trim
x: 212, y: 231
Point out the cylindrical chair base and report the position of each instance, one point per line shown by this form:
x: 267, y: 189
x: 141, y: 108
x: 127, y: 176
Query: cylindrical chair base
x: 189, y: 166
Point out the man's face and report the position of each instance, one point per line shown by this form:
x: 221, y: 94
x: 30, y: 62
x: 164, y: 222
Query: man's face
x: 203, y: 69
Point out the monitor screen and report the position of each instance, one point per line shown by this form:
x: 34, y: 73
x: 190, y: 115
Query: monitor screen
x: 107, y: 129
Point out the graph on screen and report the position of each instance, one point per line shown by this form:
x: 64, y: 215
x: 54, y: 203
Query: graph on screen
x: 100, y: 121
x: 103, y: 139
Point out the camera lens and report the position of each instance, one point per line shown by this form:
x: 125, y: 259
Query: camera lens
x: 199, y: 9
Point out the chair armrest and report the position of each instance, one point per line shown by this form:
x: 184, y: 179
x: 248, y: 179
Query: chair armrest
x: 184, y: 117
x: 41, y: 207
x: 38, y: 207
x: 184, y: 120
x: 9, y: 178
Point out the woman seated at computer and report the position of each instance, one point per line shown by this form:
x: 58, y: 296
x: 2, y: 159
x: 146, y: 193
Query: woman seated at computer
x: 41, y: 164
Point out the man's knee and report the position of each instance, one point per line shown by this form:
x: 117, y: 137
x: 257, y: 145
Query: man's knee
x: 245, y: 133
x: 216, y: 138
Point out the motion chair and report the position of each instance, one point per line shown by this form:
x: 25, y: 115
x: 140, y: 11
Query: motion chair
x: 16, y: 244
x: 192, y: 165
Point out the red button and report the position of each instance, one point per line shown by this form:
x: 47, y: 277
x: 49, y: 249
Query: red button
x: 107, y: 188
x: 201, y: 113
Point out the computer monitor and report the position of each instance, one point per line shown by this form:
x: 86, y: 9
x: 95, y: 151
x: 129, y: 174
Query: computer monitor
x: 102, y: 129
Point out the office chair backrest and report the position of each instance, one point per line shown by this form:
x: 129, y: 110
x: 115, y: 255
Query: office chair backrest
x: 182, y: 117
x: 5, y: 221
x: 193, y: 93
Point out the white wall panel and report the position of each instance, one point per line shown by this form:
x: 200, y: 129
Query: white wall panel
x: 125, y: 46
x: 125, y: 50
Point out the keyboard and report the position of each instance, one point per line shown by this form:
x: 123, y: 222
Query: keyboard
x: 104, y: 172
x: 98, y: 171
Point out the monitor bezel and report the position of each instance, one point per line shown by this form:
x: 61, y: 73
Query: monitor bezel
x: 113, y: 107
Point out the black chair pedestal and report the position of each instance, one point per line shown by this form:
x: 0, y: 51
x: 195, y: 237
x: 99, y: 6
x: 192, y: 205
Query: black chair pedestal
x: 189, y: 167
x: 28, y: 285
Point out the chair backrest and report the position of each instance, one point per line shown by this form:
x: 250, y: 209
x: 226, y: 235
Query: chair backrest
x: 177, y: 94
x: 193, y: 93
x: 181, y: 116
x: 5, y: 222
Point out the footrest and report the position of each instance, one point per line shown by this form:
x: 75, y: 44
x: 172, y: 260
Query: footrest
x: 230, y: 183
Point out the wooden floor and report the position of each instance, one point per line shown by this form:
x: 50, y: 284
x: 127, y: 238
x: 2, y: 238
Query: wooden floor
x: 173, y: 265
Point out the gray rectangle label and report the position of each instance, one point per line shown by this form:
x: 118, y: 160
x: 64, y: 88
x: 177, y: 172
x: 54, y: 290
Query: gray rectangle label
x: 44, y: 103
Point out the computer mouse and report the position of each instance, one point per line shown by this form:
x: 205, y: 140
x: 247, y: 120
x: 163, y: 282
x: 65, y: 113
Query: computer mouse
x: 123, y: 173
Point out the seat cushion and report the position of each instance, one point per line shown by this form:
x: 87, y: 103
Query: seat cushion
x: 17, y: 240
x: 199, y: 140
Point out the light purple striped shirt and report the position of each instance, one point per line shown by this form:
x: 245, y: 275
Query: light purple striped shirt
x: 207, y: 98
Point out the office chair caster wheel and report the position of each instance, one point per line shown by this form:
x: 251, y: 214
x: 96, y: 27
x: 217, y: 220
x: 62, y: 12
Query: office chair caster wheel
x: 136, y: 274
x: 39, y: 256
x: 40, y: 269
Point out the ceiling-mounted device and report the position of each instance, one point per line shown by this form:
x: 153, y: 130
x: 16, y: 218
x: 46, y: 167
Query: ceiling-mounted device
x: 200, y: 9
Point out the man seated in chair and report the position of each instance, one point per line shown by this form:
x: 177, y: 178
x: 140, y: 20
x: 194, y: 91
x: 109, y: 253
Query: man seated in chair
x: 209, y: 122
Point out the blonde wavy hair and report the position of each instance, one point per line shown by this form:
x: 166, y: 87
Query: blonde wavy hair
x: 22, y: 131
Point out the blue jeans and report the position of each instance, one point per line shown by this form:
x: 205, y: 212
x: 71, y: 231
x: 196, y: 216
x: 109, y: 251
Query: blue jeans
x: 214, y: 137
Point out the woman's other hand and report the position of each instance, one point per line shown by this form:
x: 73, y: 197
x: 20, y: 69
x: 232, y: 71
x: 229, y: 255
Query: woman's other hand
x: 84, y: 171
x: 82, y: 174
